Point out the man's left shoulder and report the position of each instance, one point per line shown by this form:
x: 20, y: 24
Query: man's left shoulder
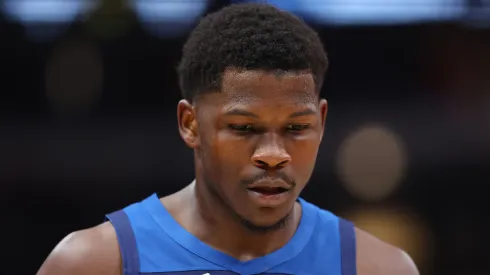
x: 375, y: 257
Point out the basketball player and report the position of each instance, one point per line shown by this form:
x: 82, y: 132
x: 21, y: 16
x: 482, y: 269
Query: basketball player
x: 250, y: 76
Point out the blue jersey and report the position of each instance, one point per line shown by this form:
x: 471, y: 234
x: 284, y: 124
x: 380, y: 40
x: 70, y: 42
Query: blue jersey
x: 152, y: 242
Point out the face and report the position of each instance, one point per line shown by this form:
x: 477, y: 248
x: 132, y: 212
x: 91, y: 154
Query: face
x: 256, y: 141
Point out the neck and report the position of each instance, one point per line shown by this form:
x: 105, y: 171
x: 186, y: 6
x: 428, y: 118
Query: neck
x: 212, y: 222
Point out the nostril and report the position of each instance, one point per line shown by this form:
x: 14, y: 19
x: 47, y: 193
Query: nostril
x: 264, y: 165
x: 282, y: 163
x: 261, y: 164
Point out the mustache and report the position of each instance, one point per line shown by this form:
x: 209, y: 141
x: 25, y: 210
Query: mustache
x: 266, y: 176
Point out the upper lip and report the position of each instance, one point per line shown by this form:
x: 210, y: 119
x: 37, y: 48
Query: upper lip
x: 270, y: 183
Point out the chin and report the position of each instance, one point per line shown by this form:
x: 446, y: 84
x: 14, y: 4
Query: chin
x: 265, y: 225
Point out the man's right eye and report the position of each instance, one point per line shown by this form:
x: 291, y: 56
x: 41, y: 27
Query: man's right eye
x: 241, y: 127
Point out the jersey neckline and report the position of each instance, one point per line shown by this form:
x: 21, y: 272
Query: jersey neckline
x: 259, y: 265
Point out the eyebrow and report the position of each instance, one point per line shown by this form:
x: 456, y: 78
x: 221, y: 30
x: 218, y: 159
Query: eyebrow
x: 305, y: 112
x: 241, y: 112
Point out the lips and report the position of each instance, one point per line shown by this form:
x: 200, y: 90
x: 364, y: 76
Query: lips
x: 269, y: 187
x: 268, y: 190
x: 269, y: 195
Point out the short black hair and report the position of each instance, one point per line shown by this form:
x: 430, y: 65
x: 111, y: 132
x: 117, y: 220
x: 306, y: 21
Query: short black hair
x: 250, y: 36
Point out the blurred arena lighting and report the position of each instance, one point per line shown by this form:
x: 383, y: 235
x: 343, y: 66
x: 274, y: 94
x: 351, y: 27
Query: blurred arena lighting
x: 109, y: 19
x: 382, y: 12
x: 74, y: 77
x: 397, y: 227
x: 372, y: 12
x: 288, y: 5
x: 44, y: 19
x: 371, y: 162
x: 168, y: 18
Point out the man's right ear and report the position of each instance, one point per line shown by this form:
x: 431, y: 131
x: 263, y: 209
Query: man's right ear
x: 186, y: 117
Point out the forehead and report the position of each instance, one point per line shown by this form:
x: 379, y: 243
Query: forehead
x: 249, y: 87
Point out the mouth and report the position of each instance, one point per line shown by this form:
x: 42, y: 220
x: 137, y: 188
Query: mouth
x: 268, y: 191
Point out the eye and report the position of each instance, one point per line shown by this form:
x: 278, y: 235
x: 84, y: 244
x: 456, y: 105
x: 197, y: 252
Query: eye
x: 297, y: 127
x: 241, y: 127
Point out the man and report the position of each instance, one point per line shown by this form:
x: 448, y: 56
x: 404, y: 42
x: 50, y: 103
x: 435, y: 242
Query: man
x: 251, y: 76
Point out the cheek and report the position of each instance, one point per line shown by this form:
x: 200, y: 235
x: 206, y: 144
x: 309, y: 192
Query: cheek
x: 303, y: 155
x: 233, y: 155
x: 224, y: 156
x: 233, y: 149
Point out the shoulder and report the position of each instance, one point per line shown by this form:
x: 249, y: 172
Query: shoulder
x: 91, y: 251
x: 375, y: 257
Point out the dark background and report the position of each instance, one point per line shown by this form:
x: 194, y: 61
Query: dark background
x: 88, y: 126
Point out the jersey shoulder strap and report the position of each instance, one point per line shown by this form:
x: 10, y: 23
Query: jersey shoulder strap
x: 347, y: 247
x: 127, y: 242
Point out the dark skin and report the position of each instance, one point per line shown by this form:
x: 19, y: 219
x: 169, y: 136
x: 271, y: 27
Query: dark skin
x: 273, y: 126
x: 260, y: 125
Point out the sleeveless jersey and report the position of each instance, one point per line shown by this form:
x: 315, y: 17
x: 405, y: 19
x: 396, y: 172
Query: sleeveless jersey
x: 152, y: 242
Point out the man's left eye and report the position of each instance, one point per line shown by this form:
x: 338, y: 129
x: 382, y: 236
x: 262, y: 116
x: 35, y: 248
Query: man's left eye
x: 297, y: 127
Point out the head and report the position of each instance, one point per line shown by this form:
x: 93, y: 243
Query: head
x: 250, y: 77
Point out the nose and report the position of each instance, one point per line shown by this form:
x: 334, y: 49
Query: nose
x: 271, y: 154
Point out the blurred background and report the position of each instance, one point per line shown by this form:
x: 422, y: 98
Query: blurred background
x: 88, y: 103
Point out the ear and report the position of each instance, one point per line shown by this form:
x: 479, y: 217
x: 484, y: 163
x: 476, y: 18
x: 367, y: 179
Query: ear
x: 323, y: 113
x: 186, y: 117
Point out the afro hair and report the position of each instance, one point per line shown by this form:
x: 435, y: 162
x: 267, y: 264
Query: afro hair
x: 251, y: 37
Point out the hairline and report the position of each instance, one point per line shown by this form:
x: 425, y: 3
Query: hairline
x: 278, y: 72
